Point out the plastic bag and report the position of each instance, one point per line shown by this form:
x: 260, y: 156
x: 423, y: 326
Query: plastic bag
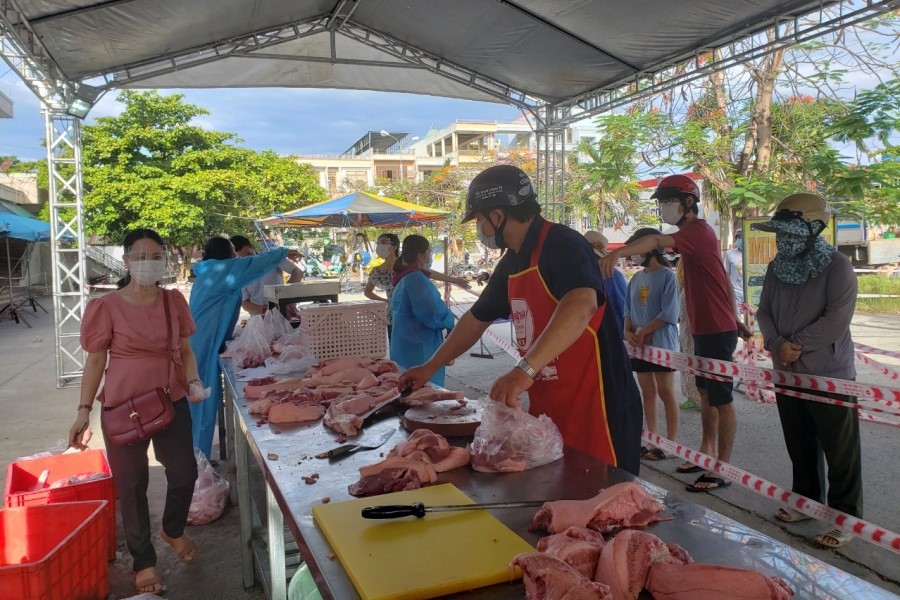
x: 276, y: 325
x: 293, y: 359
x: 510, y: 440
x: 296, y: 337
x: 252, y: 348
x: 210, y: 493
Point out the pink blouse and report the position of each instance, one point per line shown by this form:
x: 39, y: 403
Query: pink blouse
x: 135, y: 339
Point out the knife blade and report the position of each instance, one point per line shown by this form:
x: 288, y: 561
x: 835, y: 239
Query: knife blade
x: 418, y: 509
x: 364, y: 443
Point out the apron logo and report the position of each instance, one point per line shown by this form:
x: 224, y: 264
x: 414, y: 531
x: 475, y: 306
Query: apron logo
x: 523, y: 323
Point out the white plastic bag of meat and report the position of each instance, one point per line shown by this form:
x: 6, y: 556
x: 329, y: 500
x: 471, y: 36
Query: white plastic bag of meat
x: 510, y: 440
x: 295, y: 337
x: 252, y: 348
x: 292, y: 359
x: 276, y: 325
x: 210, y: 493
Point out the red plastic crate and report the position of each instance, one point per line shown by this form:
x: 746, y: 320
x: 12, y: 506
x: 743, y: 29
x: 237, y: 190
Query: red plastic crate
x: 22, y: 478
x: 54, y: 552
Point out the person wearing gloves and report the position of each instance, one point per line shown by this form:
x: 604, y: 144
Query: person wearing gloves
x: 710, y: 303
x: 614, y: 285
x: 215, y: 302
x: 651, y: 319
x: 125, y: 333
x: 253, y: 296
x: 574, y: 365
x: 805, y: 308
x: 419, y: 313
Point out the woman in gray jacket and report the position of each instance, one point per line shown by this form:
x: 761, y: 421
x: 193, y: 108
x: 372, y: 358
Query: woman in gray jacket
x: 805, y: 309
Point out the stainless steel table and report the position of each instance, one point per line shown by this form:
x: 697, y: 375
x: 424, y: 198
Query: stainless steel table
x: 707, y: 535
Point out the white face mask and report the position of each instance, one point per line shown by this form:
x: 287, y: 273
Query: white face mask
x: 637, y: 259
x: 600, y: 253
x: 147, y: 272
x: 670, y: 212
x: 383, y: 250
x: 489, y: 241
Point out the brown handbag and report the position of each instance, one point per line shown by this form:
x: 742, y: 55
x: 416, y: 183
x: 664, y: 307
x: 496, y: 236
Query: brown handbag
x: 143, y: 415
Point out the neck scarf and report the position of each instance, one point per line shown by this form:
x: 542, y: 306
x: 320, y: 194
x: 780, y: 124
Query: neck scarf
x: 796, y: 270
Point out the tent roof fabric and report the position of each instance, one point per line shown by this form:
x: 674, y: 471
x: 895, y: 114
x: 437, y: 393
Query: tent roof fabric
x: 23, y: 228
x: 359, y: 209
x: 527, y: 52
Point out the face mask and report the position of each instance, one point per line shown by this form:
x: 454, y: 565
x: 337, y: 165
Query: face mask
x: 600, y: 253
x: 429, y: 258
x: 489, y: 241
x: 739, y: 243
x: 383, y: 250
x: 790, y: 246
x: 148, y: 272
x: 637, y: 259
x: 670, y: 212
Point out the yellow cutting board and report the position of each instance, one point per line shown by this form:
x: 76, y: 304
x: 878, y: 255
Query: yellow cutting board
x: 414, y: 559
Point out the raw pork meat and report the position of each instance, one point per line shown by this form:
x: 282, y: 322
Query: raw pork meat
x: 435, y: 446
x: 621, y: 505
x: 332, y: 366
x: 344, y: 424
x: 253, y: 392
x: 430, y: 394
x: 423, y: 469
x: 626, y: 561
x: 384, y: 482
x: 288, y: 412
x: 351, y: 374
x: 549, y: 578
x: 689, y: 582
x: 577, y: 546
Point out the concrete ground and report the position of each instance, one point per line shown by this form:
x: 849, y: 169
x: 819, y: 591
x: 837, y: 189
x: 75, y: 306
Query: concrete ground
x: 38, y: 416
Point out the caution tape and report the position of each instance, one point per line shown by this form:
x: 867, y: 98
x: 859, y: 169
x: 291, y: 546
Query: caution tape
x: 858, y: 527
x: 885, y: 370
x: 870, y: 350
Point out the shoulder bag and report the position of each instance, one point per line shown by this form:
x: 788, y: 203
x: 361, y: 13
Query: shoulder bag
x: 141, y: 416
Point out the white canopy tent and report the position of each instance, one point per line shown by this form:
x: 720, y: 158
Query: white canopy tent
x: 557, y: 60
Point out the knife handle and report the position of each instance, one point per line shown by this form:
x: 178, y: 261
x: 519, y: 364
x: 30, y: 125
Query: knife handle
x: 394, y: 511
x: 339, y: 451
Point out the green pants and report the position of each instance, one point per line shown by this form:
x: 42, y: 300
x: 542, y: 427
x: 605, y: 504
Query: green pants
x: 812, y: 428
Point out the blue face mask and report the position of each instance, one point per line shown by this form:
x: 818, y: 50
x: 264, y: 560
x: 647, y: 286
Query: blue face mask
x: 489, y: 241
x: 739, y: 243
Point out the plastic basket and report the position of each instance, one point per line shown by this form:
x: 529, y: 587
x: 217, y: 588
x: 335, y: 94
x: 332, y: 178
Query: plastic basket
x: 54, y: 552
x: 22, y: 479
x: 345, y: 329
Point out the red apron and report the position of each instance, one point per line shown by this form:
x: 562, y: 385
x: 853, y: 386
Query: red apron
x: 569, y: 389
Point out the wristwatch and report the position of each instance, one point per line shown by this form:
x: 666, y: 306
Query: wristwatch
x: 529, y: 370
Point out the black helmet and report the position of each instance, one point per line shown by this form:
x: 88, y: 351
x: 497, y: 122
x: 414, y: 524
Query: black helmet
x: 644, y: 232
x: 503, y: 185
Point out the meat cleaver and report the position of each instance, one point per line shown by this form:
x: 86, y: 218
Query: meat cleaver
x: 364, y: 443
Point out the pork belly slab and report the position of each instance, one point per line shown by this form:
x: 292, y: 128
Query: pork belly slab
x: 576, y: 546
x: 621, y: 505
x: 669, y: 581
x: 549, y: 578
x: 627, y: 558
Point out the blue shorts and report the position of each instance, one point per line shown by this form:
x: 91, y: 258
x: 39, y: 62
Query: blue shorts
x: 719, y: 346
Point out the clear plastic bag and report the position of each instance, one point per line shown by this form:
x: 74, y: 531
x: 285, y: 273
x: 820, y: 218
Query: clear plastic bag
x: 293, y: 359
x: 510, y: 440
x: 210, y: 493
x: 252, y: 348
x: 276, y: 325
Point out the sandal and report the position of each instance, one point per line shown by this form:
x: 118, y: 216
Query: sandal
x: 834, y: 538
x: 789, y: 515
x: 184, y: 546
x: 655, y: 454
x: 688, y: 468
x: 146, y: 582
x: 715, y: 483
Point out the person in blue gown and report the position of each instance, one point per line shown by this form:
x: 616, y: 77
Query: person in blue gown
x: 215, y: 303
x: 419, y: 315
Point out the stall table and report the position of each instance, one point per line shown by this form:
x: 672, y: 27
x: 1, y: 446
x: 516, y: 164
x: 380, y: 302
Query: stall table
x: 285, y: 455
x: 305, y: 291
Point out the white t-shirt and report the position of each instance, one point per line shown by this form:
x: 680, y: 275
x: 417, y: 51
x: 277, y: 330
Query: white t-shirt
x: 256, y: 293
x: 734, y: 266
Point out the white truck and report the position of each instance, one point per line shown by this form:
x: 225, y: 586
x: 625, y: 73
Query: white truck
x: 853, y: 240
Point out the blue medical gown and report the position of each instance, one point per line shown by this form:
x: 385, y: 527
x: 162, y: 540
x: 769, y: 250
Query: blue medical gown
x: 419, y: 319
x: 615, y: 287
x: 215, y: 299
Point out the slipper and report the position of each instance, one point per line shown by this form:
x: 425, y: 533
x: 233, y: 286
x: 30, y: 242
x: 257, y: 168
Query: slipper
x: 834, y: 538
x: 184, y: 546
x: 690, y: 469
x: 789, y: 515
x: 148, y: 583
x: 644, y: 451
x: 656, y: 454
x: 718, y: 484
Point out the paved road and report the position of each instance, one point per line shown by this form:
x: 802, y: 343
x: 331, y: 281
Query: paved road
x: 37, y: 416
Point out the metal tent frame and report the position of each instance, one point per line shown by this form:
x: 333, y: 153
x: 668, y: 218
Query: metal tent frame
x: 559, y: 61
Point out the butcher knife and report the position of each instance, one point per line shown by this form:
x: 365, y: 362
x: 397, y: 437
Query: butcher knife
x: 395, y: 511
x: 364, y: 443
x: 381, y: 410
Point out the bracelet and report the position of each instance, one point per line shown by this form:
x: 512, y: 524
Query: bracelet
x: 89, y: 407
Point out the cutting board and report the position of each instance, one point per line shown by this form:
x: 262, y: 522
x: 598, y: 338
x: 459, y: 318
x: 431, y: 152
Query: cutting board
x: 414, y: 559
x: 445, y: 417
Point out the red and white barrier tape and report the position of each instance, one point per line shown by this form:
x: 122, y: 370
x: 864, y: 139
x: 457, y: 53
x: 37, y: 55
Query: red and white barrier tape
x: 863, y: 529
x: 885, y: 370
x: 870, y: 350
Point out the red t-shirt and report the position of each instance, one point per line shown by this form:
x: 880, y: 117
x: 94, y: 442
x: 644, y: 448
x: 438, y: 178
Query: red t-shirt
x: 705, y: 281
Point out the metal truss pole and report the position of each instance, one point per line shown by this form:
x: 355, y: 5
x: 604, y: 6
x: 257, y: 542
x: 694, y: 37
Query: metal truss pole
x: 67, y: 243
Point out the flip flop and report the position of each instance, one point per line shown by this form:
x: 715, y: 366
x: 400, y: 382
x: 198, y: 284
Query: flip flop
x: 838, y: 537
x: 184, y: 546
x: 148, y: 581
x: 691, y: 469
x: 644, y: 451
x: 718, y: 482
x: 655, y: 454
x: 789, y: 515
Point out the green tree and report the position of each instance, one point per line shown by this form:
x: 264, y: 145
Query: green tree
x: 152, y: 166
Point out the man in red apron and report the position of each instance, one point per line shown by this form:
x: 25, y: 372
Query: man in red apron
x: 574, y: 364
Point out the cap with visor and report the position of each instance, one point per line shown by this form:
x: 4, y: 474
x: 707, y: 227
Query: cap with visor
x: 804, y: 206
x: 496, y: 187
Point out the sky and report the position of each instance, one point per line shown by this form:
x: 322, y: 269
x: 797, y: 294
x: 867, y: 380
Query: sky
x: 288, y: 121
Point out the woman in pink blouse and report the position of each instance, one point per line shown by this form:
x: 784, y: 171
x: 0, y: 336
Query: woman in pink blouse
x: 126, y: 332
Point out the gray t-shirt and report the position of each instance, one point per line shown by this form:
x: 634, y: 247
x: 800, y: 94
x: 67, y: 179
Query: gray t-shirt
x: 816, y: 315
x: 256, y: 291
